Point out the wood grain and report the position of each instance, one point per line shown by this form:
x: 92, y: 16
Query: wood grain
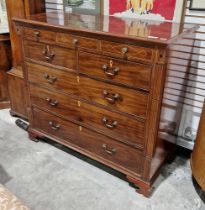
x: 115, y: 70
x: 114, y: 152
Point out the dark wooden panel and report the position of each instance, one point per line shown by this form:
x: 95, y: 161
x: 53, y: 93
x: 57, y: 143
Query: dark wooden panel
x: 130, y: 52
x: 114, y: 97
x: 52, y: 78
x: 39, y: 35
x: 114, y: 70
x: 100, y: 145
x: 17, y: 93
x: 5, y: 65
x: 50, y: 54
x: 71, y: 41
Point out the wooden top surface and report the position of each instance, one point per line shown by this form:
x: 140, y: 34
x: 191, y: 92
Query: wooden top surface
x: 133, y: 29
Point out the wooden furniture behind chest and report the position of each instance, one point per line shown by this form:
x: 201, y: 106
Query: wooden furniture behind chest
x: 5, y: 65
x: 96, y: 84
x: 16, y: 84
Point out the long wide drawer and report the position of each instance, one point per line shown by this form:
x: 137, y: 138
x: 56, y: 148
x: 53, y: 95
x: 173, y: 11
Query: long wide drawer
x: 100, y: 146
x: 50, y: 54
x: 52, y: 78
x: 114, y: 97
x: 109, y: 123
x: 115, y: 70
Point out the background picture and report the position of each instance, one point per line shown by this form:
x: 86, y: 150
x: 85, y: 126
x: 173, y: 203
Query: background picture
x: 170, y: 10
x: 82, y: 6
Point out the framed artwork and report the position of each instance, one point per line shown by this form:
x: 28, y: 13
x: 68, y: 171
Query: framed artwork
x: 197, y: 5
x: 169, y: 10
x: 83, y: 6
x: 3, y: 18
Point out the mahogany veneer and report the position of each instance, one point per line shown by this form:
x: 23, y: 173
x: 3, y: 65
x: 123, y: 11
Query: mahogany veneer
x: 98, y: 89
x: 5, y: 64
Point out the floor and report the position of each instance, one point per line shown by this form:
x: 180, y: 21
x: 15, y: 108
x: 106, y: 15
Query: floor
x: 50, y: 177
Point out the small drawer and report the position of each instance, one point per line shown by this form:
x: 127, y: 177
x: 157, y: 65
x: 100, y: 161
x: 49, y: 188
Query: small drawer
x: 109, y: 123
x: 96, y: 145
x: 115, y: 70
x: 51, y: 78
x: 127, y: 52
x: 68, y: 40
x: 39, y: 35
x: 114, y: 97
x: 50, y: 54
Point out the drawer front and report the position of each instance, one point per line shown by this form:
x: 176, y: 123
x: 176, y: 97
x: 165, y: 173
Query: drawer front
x: 50, y: 54
x: 119, y: 71
x: 71, y: 41
x: 114, y: 97
x: 52, y: 78
x: 113, y: 124
x: 130, y: 52
x: 39, y: 35
x: 99, y: 145
x: 55, y: 102
x: 109, y: 123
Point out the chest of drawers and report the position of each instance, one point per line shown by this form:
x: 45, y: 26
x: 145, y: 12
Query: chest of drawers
x: 98, y: 90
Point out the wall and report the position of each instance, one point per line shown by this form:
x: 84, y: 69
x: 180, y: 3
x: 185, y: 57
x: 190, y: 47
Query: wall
x: 194, y: 88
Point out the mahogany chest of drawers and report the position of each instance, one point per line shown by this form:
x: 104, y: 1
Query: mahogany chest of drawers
x: 95, y: 84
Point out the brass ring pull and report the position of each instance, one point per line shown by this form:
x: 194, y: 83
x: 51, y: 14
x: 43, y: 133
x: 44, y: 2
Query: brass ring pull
x: 110, y: 73
x: 75, y: 42
x: 53, y: 126
x: 52, y: 102
x: 109, y: 151
x: 111, y: 98
x: 36, y: 34
x: 48, y: 55
x: 111, y: 125
x: 124, y: 51
x: 49, y: 78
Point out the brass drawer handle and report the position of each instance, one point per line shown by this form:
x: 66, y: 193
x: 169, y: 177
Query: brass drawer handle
x: 110, y: 72
x: 110, y: 125
x: 111, y: 97
x: 124, y: 51
x: 48, y: 55
x: 52, y: 102
x: 75, y: 42
x: 50, y: 79
x: 109, y: 151
x: 54, y: 126
x: 37, y: 34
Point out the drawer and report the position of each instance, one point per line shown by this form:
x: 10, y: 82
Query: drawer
x: 52, y: 78
x: 119, y: 71
x: 114, y: 97
x: 51, y: 54
x: 55, y: 102
x: 109, y: 123
x: 71, y: 41
x: 130, y: 52
x: 39, y: 35
x: 96, y: 145
x: 113, y: 124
